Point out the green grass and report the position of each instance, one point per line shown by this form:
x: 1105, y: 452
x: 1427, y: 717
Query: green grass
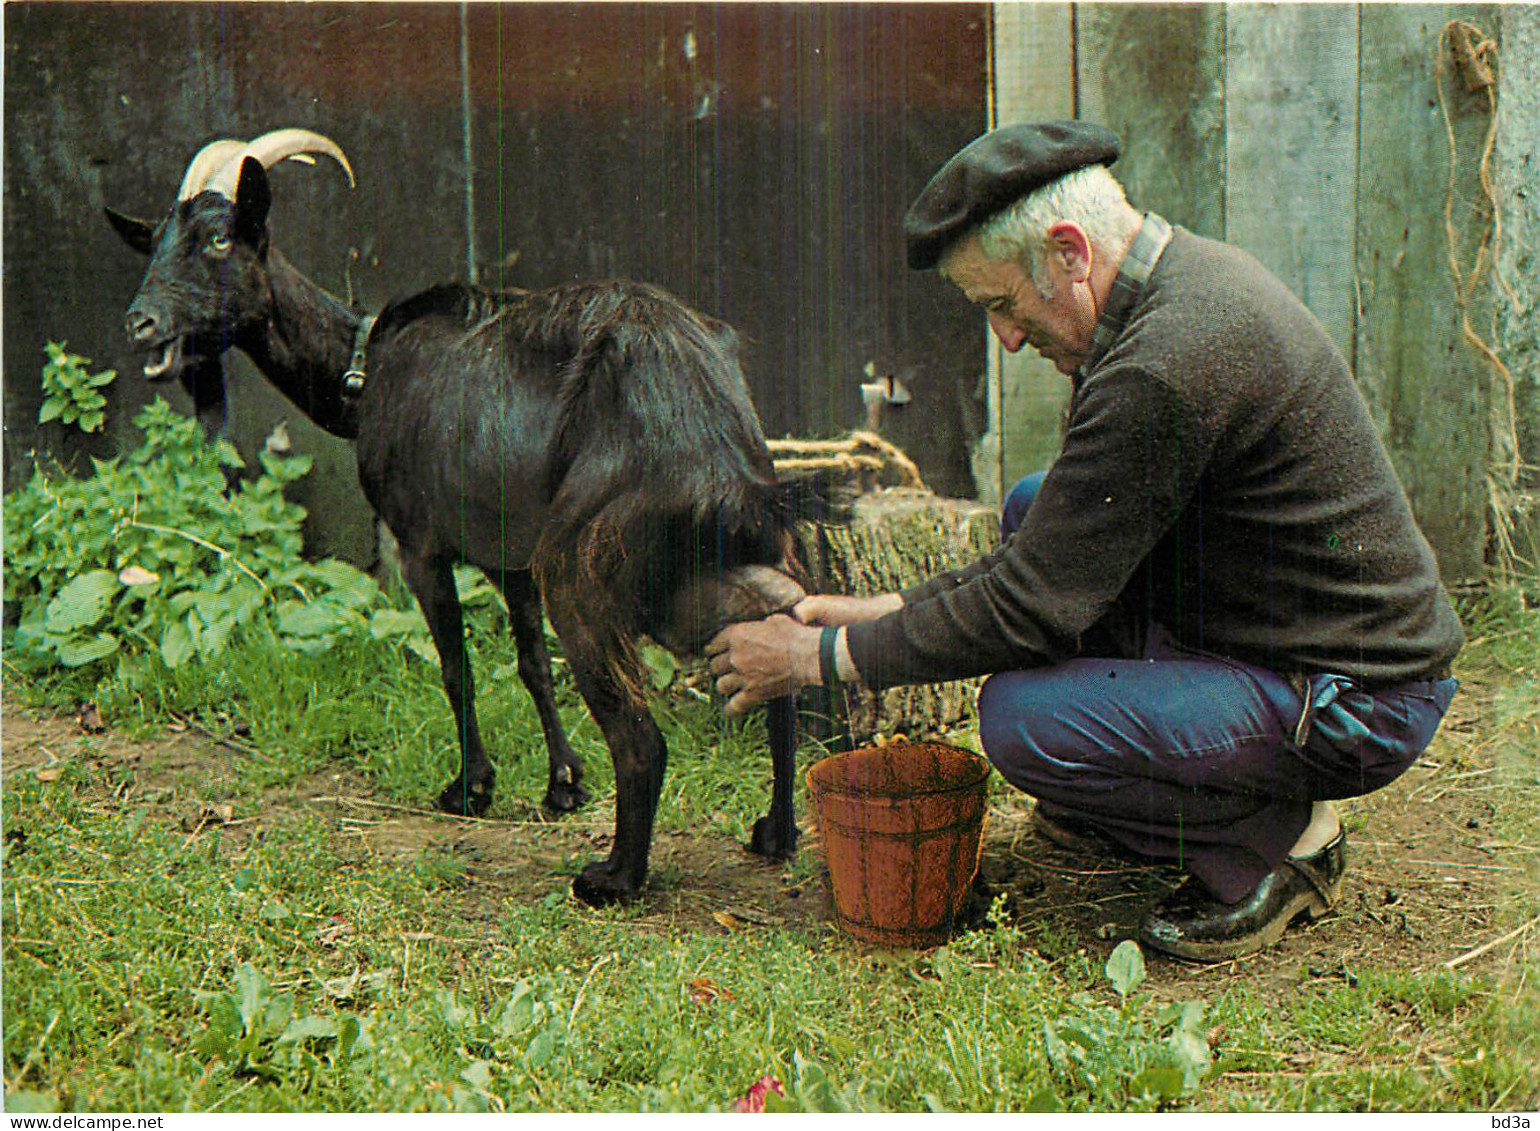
x: 275, y: 967
x: 123, y: 935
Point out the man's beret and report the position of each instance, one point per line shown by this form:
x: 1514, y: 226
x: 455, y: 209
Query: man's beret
x: 993, y: 172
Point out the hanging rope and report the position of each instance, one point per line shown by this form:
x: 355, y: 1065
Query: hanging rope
x: 1472, y: 55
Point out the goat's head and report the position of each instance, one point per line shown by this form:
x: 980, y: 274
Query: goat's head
x: 207, y: 280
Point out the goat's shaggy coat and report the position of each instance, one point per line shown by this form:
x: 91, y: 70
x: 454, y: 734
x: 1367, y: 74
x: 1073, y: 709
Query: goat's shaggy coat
x: 592, y: 444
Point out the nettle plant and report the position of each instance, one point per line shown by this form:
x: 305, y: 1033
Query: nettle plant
x: 71, y: 392
x: 154, y: 554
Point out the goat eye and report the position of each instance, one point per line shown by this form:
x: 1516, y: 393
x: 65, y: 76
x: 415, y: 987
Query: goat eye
x: 219, y: 245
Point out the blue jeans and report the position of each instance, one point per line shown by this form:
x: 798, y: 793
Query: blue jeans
x: 1194, y: 757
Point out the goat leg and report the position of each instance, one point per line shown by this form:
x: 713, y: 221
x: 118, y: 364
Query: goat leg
x: 637, y: 751
x: 433, y: 583
x: 698, y: 610
x: 640, y: 756
x: 775, y: 835
x: 564, y: 790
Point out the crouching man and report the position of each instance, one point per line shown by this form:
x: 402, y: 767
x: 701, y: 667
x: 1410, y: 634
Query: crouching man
x: 1214, y: 614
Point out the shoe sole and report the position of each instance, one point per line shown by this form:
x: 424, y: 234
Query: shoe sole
x: 1058, y: 835
x: 1309, y: 905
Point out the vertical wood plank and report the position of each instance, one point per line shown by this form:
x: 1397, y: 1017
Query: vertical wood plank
x: 1424, y: 384
x: 1034, y: 62
x: 1291, y: 111
x: 756, y: 160
x: 1517, y: 173
x: 1168, y: 109
x: 1034, y: 81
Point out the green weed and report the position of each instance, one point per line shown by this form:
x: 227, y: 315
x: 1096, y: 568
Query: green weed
x: 150, y: 563
x: 71, y: 393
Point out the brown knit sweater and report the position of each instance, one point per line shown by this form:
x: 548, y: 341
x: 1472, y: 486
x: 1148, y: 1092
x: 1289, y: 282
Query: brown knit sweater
x: 1220, y: 475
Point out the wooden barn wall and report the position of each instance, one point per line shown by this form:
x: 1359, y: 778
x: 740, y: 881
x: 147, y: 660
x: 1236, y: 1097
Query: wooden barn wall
x: 106, y: 103
x: 1517, y: 161
x: 1313, y: 136
x: 756, y: 159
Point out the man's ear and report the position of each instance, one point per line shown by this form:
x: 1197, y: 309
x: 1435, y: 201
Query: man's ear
x: 1071, y: 247
x: 253, y: 197
x: 137, y: 234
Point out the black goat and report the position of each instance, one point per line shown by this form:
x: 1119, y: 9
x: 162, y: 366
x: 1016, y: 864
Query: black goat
x: 592, y: 444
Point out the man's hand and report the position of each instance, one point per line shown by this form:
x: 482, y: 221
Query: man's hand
x: 824, y: 609
x: 757, y: 661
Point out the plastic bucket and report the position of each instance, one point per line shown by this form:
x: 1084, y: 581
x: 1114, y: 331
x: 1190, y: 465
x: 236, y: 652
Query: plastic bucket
x: 901, y: 827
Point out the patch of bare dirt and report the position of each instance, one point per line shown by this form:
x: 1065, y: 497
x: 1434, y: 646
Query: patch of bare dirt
x: 1427, y: 875
x: 189, y: 779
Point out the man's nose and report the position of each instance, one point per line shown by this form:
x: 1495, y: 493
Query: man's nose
x: 1011, y: 336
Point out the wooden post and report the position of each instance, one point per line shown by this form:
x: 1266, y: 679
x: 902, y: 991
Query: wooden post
x: 1169, y: 109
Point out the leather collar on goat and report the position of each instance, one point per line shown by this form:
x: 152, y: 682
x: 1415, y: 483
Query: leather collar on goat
x: 353, y: 379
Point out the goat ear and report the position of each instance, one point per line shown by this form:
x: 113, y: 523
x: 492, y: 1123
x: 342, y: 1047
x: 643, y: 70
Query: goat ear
x: 137, y: 234
x: 253, y: 197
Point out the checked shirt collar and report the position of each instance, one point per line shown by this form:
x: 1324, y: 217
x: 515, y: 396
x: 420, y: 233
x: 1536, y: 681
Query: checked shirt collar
x: 1134, y: 272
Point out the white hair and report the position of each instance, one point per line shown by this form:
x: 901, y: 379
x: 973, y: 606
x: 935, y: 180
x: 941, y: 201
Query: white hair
x: 1090, y: 197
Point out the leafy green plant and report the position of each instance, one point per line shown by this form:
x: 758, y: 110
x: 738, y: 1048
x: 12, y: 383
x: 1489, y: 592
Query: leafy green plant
x: 154, y: 555
x: 255, y: 1030
x: 70, y: 391
x: 814, y: 1089
x: 1131, y: 1054
x: 518, y: 1037
x: 258, y: 1031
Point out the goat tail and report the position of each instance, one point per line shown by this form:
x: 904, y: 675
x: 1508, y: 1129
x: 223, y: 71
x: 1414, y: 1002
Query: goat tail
x: 819, y: 496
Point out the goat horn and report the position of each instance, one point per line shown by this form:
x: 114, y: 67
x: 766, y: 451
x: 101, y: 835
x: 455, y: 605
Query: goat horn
x: 211, y: 158
x: 272, y: 148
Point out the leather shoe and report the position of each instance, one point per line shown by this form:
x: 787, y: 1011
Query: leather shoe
x: 1057, y: 826
x: 1191, y: 923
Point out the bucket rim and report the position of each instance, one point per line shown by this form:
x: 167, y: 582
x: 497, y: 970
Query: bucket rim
x: 975, y: 773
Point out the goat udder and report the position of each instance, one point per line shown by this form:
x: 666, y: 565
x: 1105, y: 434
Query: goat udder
x: 700, y: 609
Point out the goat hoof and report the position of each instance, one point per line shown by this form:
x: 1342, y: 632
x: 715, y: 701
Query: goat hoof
x: 599, y: 886
x: 772, y: 843
x: 460, y: 802
x: 564, y: 797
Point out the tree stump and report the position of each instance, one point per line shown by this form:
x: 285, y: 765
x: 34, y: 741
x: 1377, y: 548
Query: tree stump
x: 897, y: 538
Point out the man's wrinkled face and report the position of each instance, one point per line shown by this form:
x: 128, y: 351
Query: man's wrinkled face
x: 1057, y: 320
